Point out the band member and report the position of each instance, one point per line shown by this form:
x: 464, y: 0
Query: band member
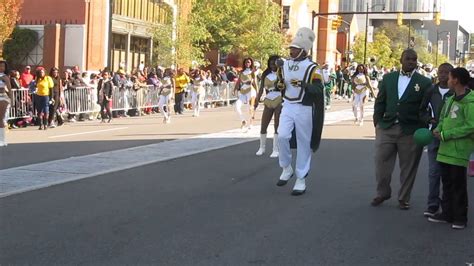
x: 5, y: 99
x: 272, y: 105
x: 198, y: 91
x: 165, y: 92
x: 361, y: 85
x: 246, y: 85
x: 302, y: 114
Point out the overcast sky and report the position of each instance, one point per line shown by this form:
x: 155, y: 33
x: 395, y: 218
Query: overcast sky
x: 462, y: 10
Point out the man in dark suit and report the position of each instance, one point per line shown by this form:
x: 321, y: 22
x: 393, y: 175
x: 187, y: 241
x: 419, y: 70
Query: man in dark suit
x: 400, y: 109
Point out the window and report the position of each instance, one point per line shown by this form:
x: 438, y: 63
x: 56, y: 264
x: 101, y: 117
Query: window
x: 222, y: 58
x: 379, y: 5
x: 411, y: 5
x: 346, y: 5
x: 360, y: 6
x: 285, y: 24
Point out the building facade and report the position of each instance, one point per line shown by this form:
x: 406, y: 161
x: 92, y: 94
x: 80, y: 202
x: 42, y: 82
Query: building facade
x: 300, y: 13
x: 94, y: 34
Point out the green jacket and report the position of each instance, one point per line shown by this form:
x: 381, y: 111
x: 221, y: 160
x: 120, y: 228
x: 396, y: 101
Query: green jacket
x: 410, y: 110
x: 456, y: 127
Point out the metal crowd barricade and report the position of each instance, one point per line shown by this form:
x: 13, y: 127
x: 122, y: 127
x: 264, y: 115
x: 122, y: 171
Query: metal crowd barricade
x: 21, y: 105
x: 80, y: 100
x: 216, y: 93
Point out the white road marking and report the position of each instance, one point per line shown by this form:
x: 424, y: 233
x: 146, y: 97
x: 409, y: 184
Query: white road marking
x: 88, y: 132
x: 36, y: 176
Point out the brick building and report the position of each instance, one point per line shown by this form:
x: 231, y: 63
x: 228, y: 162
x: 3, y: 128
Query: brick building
x: 93, y: 34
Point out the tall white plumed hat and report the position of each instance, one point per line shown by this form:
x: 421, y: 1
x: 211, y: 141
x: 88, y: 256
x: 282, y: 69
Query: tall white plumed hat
x: 304, y: 39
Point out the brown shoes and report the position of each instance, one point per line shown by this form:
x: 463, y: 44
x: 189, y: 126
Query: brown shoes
x: 378, y: 200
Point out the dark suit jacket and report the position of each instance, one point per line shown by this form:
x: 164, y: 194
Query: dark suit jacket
x: 410, y: 110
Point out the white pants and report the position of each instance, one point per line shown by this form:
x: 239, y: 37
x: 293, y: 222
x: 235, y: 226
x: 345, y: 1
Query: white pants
x: 299, y: 117
x: 244, y: 99
x: 164, y: 100
x: 357, y: 104
x: 196, y: 101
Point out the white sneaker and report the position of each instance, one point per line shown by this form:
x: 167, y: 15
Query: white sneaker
x: 361, y: 123
x: 300, y: 187
x: 287, y: 173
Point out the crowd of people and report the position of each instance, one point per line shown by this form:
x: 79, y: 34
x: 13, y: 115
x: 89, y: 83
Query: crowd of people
x: 38, y: 96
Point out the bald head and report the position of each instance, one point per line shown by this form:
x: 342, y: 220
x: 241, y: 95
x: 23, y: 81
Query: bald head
x: 409, y: 60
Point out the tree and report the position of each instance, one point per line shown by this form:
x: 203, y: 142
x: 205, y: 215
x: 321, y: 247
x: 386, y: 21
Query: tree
x: 22, y: 41
x: 163, y: 45
x: 249, y: 27
x: 389, y: 42
x: 9, y: 15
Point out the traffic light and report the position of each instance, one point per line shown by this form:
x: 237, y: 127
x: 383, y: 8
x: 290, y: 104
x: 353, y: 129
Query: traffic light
x: 400, y: 19
x: 336, y: 23
x: 437, y: 18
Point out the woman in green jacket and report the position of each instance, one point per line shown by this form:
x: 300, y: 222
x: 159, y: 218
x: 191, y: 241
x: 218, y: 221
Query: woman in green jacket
x: 456, y: 132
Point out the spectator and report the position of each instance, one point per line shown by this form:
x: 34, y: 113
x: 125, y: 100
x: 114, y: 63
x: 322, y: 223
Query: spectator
x: 44, y: 93
x: 231, y: 74
x: 456, y: 133
x: 106, y: 90
x: 56, y: 98
x: 181, y: 82
x: 436, y: 97
x: 120, y: 81
x: 26, y: 77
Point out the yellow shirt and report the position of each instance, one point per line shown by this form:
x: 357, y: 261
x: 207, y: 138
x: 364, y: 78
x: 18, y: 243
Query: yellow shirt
x: 44, y: 85
x: 181, y: 82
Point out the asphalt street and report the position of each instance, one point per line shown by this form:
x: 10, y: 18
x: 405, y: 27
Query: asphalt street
x: 220, y: 207
x: 223, y: 208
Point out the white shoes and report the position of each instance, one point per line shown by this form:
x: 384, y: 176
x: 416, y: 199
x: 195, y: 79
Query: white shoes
x: 261, y: 150
x: 300, y: 187
x: 286, y: 174
x: 276, y: 150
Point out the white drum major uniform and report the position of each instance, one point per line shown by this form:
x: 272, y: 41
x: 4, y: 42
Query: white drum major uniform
x: 302, y: 113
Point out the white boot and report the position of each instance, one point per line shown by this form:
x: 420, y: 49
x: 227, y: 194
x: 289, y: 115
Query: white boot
x: 300, y: 187
x: 286, y: 174
x: 263, y: 140
x: 276, y: 150
x: 3, y: 141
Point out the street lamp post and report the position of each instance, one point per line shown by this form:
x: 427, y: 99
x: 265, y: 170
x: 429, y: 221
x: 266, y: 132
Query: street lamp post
x: 437, y: 44
x: 366, y: 31
x: 367, y: 25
